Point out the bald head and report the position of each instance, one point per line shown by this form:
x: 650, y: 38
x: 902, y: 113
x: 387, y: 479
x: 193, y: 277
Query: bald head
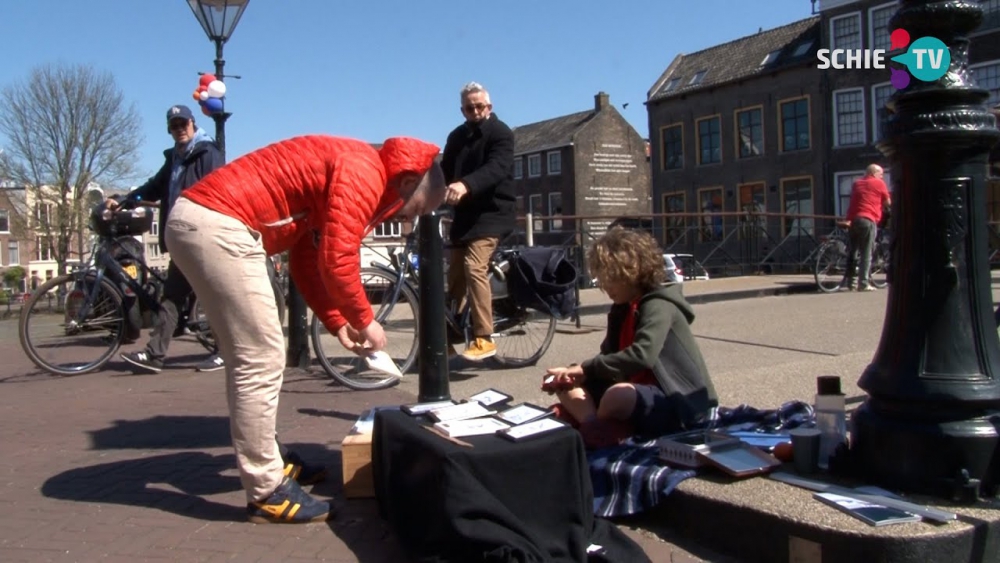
x: 874, y: 170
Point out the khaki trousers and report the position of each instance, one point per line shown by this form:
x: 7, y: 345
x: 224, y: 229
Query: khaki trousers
x: 224, y: 260
x: 468, y: 271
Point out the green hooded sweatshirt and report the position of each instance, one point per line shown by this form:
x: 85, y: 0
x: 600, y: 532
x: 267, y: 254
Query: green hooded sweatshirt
x: 664, y: 344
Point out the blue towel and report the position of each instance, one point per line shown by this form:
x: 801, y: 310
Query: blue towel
x: 630, y: 478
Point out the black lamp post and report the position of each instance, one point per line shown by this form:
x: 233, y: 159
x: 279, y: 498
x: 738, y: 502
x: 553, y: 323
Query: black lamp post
x: 219, y: 18
x: 931, y: 422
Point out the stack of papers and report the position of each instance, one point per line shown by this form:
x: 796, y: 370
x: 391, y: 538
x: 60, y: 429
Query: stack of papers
x: 470, y: 427
x: 460, y: 411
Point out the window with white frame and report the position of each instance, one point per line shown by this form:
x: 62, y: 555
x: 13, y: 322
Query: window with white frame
x: 389, y: 229
x: 155, y: 230
x: 845, y: 32
x: 849, y: 117
x: 518, y: 168
x: 537, y: 210
x: 987, y: 76
x: 878, y: 20
x: 554, y: 163
x: 880, y: 114
x: 843, y: 182
x: 43, y: 249
x: 4, y: 221
x: 13, y: 253
x: 43, y: 213
x: 555, y: 210
x: 534, y: 165
x: 152, y: 250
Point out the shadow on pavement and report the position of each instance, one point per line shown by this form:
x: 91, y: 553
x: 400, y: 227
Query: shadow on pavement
x: 164, y: 432
x: 174, y: 483
x: 329, y: 413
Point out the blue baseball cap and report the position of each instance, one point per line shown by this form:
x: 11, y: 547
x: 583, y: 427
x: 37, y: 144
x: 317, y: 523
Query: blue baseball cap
x: 179, y: 112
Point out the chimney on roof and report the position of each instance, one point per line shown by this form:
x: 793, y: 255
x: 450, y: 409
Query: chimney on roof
x: 601, y: 101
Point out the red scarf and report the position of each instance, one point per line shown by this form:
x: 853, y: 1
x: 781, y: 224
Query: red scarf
x: 644, y: 377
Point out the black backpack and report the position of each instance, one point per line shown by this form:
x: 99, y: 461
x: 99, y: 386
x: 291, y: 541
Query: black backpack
x: 543, y: 279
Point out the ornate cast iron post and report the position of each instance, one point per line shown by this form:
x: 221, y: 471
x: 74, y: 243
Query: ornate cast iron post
x: 932, y: 418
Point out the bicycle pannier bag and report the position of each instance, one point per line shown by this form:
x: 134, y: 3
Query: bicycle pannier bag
x: 544, y: 280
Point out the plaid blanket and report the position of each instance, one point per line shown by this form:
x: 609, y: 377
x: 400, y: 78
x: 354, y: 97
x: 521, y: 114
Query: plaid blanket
x: 630, y: 478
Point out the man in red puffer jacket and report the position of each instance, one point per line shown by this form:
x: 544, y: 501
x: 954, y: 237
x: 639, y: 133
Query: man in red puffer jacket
x: 317, y: 197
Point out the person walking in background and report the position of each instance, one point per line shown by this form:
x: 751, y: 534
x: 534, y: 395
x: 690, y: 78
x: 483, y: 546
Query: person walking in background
x: 478, y: 165
x: 649, y: 378
x: 869, y: 198
x: 316, y: 197
x: 193, y: 156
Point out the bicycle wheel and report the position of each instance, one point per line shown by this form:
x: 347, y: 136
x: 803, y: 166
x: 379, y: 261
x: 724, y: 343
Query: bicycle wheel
x: 878, y: 274
x: 198, y: 325
x: 57, y: 339
x: 522, y: 335
x: 399, y: 321
x: 831, y: 262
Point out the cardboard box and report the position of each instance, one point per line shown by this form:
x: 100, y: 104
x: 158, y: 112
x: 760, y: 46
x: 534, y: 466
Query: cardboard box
x: 356, y: 464
x: 356, y: 456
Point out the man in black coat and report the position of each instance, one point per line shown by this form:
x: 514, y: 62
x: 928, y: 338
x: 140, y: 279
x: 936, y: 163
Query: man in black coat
x: 192, y: 157
x: 478, y: 164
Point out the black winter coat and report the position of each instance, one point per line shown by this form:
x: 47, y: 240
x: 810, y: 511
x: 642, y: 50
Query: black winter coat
x: 482, y: 157
x: 203, y: 158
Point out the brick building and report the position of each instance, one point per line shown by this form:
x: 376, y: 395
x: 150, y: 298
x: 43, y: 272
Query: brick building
x: 590, y: 163
x: 754, y: 125
x: 734, y: 128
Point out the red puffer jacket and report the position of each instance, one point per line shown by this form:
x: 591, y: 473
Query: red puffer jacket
x: 317, y: 196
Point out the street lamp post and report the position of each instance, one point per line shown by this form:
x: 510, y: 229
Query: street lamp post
x: 931, y: 422
x: 219, y: 18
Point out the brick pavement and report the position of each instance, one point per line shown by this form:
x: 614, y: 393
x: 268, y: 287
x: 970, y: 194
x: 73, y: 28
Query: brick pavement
x: 111, y: 466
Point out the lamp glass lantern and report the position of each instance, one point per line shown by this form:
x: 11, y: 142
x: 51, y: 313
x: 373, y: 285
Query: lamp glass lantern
x: 218, y: 17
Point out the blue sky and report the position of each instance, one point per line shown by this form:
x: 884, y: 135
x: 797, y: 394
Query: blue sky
x: 376, y: 69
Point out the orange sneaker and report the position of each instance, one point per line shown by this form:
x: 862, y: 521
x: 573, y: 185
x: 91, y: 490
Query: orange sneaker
x: 480, y: 349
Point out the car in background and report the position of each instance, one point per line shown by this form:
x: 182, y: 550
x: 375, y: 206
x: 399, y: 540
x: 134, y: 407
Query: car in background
x: 674, y: 273
x: 687, y: 266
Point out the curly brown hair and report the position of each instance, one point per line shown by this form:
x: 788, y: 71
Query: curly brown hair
x: 627, y: 256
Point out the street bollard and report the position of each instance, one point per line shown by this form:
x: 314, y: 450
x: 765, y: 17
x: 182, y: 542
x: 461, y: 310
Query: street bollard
x: 433, y: 351
x: 297, y: 355
x: 931, y: 422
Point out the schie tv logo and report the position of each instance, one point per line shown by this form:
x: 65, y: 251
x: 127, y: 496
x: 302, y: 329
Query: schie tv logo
x: 927, y: 59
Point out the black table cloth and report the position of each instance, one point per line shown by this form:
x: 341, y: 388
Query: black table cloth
x: 495, y: 501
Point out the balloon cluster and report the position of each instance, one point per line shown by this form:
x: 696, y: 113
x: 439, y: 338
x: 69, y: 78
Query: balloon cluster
x: 209, y: 94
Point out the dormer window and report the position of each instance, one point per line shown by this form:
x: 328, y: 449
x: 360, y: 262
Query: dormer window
x: 672, y: 84
x: 770, y: 57
x: 802, y: 49
x: 697, y: 78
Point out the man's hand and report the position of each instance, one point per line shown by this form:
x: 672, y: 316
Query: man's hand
x: 455, y: 192
x: 111, y: 203
x: 374, y: 336
x: 351, y: 340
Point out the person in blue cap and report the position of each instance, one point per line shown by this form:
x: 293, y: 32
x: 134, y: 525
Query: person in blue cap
x: 193, y: 156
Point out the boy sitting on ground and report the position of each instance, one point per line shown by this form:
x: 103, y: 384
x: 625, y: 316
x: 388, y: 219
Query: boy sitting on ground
x: 649, y: 378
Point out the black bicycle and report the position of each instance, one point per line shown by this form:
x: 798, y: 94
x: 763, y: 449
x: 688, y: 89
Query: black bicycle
x: 522, y: 335
x: 831, y: 260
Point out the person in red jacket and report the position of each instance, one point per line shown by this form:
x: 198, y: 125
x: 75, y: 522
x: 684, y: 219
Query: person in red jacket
x: 316, y: 197
x: 869, y: 197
